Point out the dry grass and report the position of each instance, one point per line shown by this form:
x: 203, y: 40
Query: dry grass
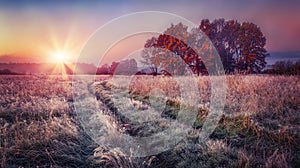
x: 38, y: 125
x: 259, y: 128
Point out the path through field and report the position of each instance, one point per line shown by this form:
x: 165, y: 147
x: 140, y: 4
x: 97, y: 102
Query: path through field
x: 47, y: 121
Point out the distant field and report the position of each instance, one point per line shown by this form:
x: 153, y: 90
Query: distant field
x: 39, y: 124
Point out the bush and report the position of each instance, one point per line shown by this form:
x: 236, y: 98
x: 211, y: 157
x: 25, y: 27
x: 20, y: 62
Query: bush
x: 285, y: 68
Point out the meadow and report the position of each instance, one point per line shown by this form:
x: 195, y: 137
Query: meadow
x: 42, y: 126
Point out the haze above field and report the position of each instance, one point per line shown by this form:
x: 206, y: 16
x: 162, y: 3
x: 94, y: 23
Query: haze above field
x: 33, y: 31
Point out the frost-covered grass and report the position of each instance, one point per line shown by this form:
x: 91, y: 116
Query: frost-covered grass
x: 40, y: 127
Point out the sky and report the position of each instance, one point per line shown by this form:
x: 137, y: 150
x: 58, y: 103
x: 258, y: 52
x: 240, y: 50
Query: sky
x: 33, y: 31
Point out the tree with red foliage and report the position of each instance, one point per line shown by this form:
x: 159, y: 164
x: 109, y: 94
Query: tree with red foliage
x: 170, y: 52
x: 240, y: 46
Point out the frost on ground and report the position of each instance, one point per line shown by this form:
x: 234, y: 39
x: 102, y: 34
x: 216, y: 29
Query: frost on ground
x: 45, y: 122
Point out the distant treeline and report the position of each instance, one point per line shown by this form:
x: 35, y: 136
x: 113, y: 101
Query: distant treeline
x: 124, y: 67
x: 8, y: 72
x: 285, y: 68
x: 46, y: 68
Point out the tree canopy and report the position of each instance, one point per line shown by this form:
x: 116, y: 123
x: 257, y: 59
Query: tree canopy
x: 241, y: 47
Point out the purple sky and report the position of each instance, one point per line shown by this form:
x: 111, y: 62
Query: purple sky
x: 32, y: 28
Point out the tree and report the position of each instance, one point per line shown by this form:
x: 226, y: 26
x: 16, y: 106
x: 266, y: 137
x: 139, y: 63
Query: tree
x: 170, y: 52
x: 126, y: 67
x: 151, y: 56
x: 113, y: 67
x: 240, y: 46
x: 285, y: 68
x: 250, y: 51
x: 220, y: 33
x: 104, y: 69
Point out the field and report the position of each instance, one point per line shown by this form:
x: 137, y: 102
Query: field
x: 45, y: 122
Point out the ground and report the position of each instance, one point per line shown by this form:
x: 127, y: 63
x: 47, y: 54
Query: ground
x: 42, y: 124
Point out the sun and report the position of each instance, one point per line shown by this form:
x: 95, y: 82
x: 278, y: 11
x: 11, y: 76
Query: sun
x: 60, y: 56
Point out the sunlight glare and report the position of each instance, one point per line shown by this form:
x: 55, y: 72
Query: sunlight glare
x: 60, y: 56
